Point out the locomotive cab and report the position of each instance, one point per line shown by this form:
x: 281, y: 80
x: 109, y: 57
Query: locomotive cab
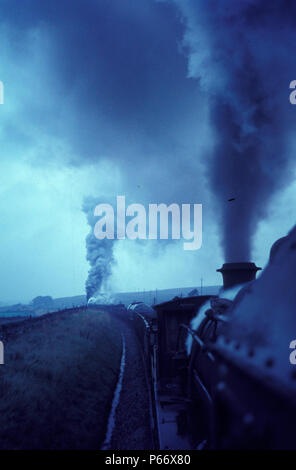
x: 172, y: 354
x: 172, y: 401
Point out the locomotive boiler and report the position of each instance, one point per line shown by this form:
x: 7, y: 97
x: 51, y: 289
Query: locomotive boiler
x: 218, y: 366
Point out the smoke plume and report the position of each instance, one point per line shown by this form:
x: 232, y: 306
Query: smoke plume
x: 99, y: 255
x: 242, y: 53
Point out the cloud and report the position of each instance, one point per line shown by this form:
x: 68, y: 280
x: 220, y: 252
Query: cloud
x: 100, y: 99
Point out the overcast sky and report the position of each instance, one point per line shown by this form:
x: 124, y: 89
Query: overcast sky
x: 99, y: 102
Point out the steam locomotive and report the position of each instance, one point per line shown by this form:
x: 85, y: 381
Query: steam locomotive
x: 214, y: 377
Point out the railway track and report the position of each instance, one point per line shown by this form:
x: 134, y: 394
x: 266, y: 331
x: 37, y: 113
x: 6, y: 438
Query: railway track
x: 131, y: 429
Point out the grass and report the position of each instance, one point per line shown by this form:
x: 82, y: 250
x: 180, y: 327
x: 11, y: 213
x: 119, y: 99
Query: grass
x: 57, y: 383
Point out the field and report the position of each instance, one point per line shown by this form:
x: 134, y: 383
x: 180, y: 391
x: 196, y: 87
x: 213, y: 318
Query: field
x: 57, y: 383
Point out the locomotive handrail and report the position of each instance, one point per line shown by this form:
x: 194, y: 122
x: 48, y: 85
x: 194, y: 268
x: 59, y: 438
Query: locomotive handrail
x: 192, y: 333
x: 144, y: 320
x: 216, y: 316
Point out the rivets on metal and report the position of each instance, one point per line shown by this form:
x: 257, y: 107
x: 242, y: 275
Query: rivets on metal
x: 269, y: 362
x: 221, y: 385
x: 223, y: 370
x: 248, y: 419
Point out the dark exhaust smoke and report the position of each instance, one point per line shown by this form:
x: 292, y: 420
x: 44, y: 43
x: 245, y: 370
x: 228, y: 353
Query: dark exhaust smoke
x: 243, y: 55
x: 99, y: 254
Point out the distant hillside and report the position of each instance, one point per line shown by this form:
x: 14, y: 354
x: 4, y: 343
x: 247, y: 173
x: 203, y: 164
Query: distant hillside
x: 65, y: 302
x: 162, y: 295
x: 150, y: 297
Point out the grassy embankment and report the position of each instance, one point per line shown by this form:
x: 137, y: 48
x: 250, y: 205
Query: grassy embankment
x: 57, y: 382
